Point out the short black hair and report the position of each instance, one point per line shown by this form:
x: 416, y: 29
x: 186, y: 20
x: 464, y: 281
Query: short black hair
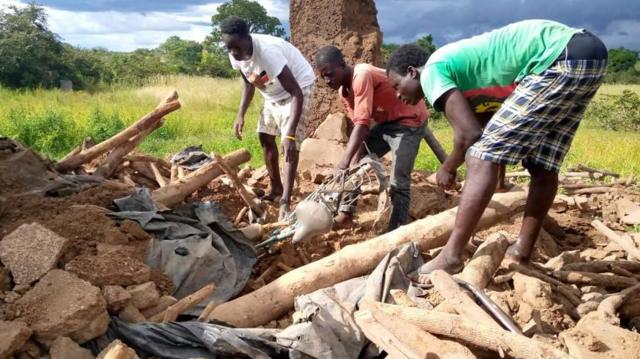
x: 405, y: 56
x: 234, y: 25
x: 329, y: 55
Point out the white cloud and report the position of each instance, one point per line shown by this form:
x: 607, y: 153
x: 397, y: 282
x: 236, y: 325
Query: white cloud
x: 127, y: 31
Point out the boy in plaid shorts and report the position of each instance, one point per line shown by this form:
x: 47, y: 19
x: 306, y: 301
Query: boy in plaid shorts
x: 540, y: 75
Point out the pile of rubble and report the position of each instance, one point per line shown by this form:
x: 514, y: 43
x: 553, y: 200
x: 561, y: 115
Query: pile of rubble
x: 73, y: 273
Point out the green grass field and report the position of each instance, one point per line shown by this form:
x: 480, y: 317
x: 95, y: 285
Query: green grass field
x: 53, y: 122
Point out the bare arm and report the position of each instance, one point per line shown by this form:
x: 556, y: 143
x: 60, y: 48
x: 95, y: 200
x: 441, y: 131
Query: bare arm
x: 358, y: 135
x: 248, y: 90
x: 466, y: 128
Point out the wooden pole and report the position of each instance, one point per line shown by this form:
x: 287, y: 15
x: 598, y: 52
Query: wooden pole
x: 248, y: 199
x: 177, y: 191
x: 459, y: 299
x: 401, y: 339
x: 468, y: 331
x: 165, y: 107
x: 276, y: 298
x: 188, y: 302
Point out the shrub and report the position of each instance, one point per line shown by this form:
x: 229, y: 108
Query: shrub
x: 102, y: 126
x: 616, y: 112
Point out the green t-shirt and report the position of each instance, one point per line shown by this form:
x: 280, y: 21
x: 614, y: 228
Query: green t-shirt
x: 487, y: 67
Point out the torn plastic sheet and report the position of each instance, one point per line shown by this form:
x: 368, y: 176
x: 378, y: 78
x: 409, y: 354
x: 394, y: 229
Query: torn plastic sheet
x: 195, y: 245
x: 191, y: 158
x: 191, y: 340
x: 327, y: 328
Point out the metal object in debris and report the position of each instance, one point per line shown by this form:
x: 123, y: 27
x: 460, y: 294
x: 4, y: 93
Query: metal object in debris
x: 494, y: 310
x: 314, y: 215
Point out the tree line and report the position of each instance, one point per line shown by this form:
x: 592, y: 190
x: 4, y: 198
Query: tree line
x: 31, y: 55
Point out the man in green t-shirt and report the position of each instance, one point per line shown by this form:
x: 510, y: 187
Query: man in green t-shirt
x: 539, y: 75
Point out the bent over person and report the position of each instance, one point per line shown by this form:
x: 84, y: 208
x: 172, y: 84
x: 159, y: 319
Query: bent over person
x: 542, y: 74
x: 286, y: 81
x: 381, y: 121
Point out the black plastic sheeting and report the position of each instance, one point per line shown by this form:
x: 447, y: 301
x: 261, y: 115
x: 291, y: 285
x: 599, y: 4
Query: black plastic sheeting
x: 191, y: 340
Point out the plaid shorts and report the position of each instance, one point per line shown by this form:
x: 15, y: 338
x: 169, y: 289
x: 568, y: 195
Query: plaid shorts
x: 537, y: 122
x: 276, y: 114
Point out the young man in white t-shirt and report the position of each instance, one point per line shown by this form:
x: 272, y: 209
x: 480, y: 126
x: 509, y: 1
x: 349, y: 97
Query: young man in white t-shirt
x: 286, y: 81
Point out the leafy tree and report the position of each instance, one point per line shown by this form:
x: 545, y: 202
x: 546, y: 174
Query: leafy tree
x: 29, y: 52
x: 387, y: 50
x: 253, y: 13
x: 426, y: 42
x: 622, y: 59
x: 181, y: 56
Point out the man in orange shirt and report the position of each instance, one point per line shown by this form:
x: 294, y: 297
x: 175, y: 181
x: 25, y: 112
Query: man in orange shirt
x: 382, y: 122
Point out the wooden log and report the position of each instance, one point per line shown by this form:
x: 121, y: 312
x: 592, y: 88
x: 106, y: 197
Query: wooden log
x: 143, y: 169
x: 459, y: 299
x: 117, y: 350
x: 597, y: 279
x: 174, y: 173
x: 167, y: 106
x: 164, y: 303
x: 593, y: 170
x: 608, y: 308
x: 177, y: 191
x: 602, y: 266
x: 485, y: 262
x: 467, y: 331
x: 303, y: 257
x: 594, y: 190
x: 109, y: 166
x: 401, y: 298
x: 162, y: 182
x: 188, y: 302
x: 571, y: 293
x: 247, y: 197
x: 207, y: 310
x: 162, y: 164
x: 241, y: 215
x: 276, y: 298
x: 284, y: 267
x: 401, y: 339
x: 627, y: 243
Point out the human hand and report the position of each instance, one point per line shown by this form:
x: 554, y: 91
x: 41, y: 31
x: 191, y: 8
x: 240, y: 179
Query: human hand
x: 289, y: 148
x: 446, y: 179
x: 237, y: 126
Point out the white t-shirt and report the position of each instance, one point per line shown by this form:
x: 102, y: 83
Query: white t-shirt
x: 270, y: 55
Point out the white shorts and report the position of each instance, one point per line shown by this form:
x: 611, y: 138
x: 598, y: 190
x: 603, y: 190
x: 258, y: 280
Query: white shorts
x: 275, y: 116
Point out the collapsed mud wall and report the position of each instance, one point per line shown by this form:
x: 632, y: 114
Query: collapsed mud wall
x: 351, y: 25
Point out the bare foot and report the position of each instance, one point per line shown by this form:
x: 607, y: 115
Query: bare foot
x: 284, y: 211
x: 343, y: 220
x: 442, y: 261
x: 273, y: 196
x: 515, y: 255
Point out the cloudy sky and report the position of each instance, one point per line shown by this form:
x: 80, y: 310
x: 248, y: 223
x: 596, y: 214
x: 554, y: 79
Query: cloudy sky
x: 125, y: 25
